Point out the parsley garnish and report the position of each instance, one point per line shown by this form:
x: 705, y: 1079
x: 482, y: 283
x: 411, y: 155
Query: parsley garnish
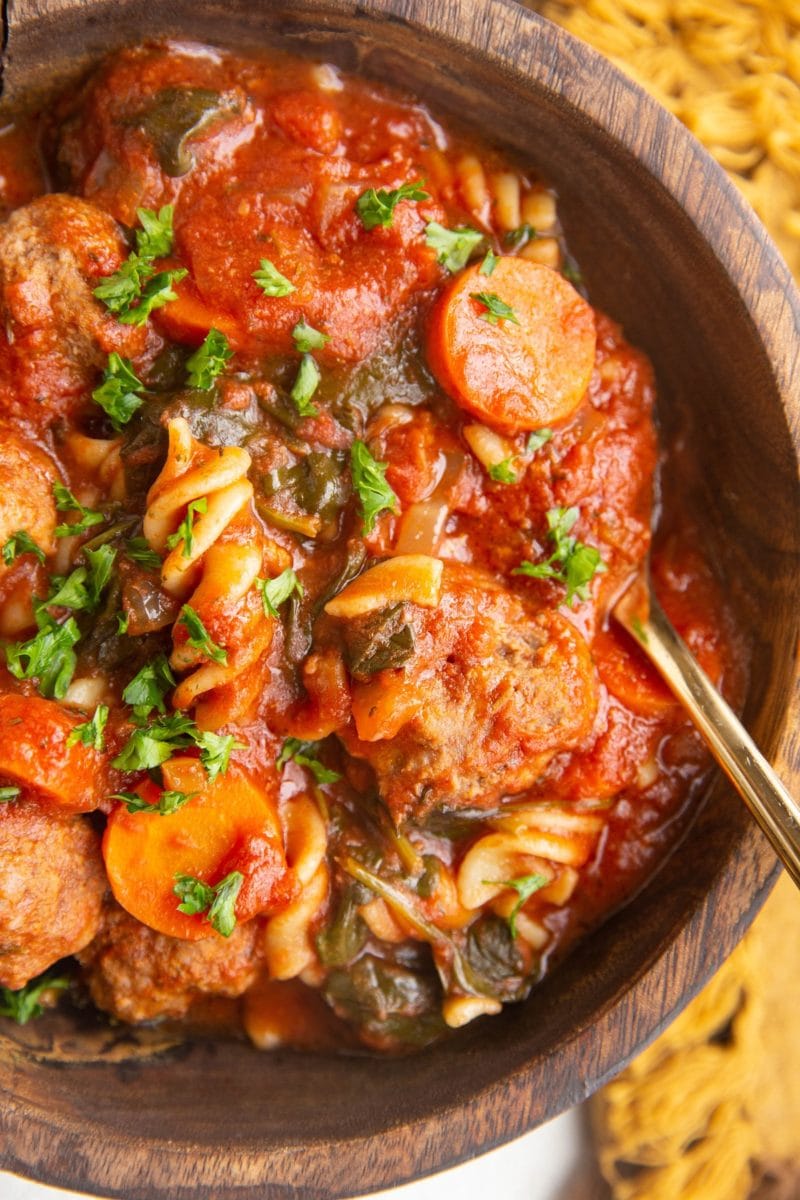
x: 496, y: 309
x: 453, y: 247
x: 48, y: 656
x: 140, y: 551
x: 198, y: 635
x: 275, y: 591
x: 307, y: 338
x: 20, y: 543
x: 120, y: 290
x: 572, y: 562
x: 123, y: 620
x: 219, y: 900
x: 537, y: 439
x: 293, y: 748
x: 489, y: 263
x: 215, y: 751
x: 369, y: 481
x: 521, y: 235
x: 23, y: 1004
x: 185, y: 531
x: 81, y: 589
x: 154, y: 239
x: 66, y: 502
x: 377, y: 207
x: 148, y: 688
x: 524, y: 886
x: 270, y: 280
x: 503, y: 472
x: 167, y: 803
x: 8, y: 793
x: 208, y: 361
x: 91, y: 733
x: 157, y: 292
x: 151, y: 745
x: 305, y: 384
x: 119, y: 393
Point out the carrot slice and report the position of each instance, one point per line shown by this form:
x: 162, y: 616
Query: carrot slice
x: 34, y: 754
x: 144, y: 851
x: 513, y: 376
x: 189, y: 318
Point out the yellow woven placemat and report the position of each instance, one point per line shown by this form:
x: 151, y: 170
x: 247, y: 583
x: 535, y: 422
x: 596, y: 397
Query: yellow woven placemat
x: 711, y: 1111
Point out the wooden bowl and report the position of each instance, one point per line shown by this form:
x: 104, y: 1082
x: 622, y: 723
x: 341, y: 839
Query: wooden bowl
x: 669, y: 248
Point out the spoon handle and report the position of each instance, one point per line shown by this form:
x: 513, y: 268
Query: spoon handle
x: 776, y: 811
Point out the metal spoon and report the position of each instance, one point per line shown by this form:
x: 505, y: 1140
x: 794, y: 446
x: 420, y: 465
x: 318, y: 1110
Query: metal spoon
x: 776, y: 811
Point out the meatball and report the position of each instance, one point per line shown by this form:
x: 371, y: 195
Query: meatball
x: 27, y: 475
x: 496, y: 690
x: 54, y: 334
x: 137, y: 974
x: 52, y: 885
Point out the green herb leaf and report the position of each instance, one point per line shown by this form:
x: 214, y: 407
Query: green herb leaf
x: 215, y: 751
x: 369, y: 481
x: 157, y: 292
x: 270, y: 280
x: 120, y: 290
x: 100, y: 563
x: 503, y: 472
x: 155, y: 238
x: 305, y: 384
x: 496, y: 309
x: 307, y: 338
x: 524, y: 886
x: 571, y: 272
x: 275, y: 592
x: 66, y: 502
x: 8, y: 793
x: 572, y: 562
x: 168, y: 802
x: 151, y: 745
x: 209, y: 361
x: 198, y: 635
x: 454, y: 247
x: 302, y: 753
x: 195, y: 896
x: 47, y: 657
x: 521, y: 235
x: 148, y: 688
x: 489, y: 263
x: 91, y: 733
x: 537, y: 439
x: 185, y: 531
x: 377, y: 207
x: 140, y: 551
x: 123, y: 620
x: 119, y: 393
x: 20, y: 543
x: 220, y: 900
x: 23, y: 1004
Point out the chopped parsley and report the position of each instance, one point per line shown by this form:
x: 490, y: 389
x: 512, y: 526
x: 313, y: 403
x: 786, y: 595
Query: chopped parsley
x: 302, y: 754
x: 123, y: 620
x: 489, y: 263
x: 151, y: 745
x: 521, y: 235
x: 82, y: 588
x: 524, y: 886
x: 167, y: 803
x: 539, y: 438
x: 9, y: 793
x: 305, y: 384
x: 496, y: 309
x: 275, y: 591
x: 155, y: 238
x: 218, y: 901
x: 377, y: 207
x: 307, y: 338
x: 270, y: 280
x: 48, y: 657
x: 374, y: 493
x: 185, y: 531
x: 22, y: 1004
x: 91, y: 733
x: 454, y: 247
x: 215, y: 751
x: 119, y: 394
x: 199, y: 638
x: 572, y: 562
x: 503, y: 472
x: 148, y: 688
x: 120, y: 291
x: 209, y: 361
x: 66, y: 502
x: 157, y: 292
x: 140, y: 551
x: 20, y: 543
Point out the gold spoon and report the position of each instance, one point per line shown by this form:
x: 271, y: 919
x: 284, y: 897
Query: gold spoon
x: 778, y: 814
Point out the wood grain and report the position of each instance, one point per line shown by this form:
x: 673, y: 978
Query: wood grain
x: 670, y: 249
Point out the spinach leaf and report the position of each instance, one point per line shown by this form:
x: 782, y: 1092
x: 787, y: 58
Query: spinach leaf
x: 340, y: 942
x: 494, y: 964
x: 378, y: 641
x: 176, y: 115
x: 391, y: 1003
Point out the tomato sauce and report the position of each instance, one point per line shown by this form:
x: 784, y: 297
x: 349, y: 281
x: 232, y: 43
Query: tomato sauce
x: 308, y: 601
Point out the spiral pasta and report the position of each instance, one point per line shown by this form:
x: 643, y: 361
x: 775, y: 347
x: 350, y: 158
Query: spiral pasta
x: 288, y: 944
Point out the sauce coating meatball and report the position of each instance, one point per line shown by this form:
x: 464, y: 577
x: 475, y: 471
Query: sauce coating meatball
x: 27, y: 475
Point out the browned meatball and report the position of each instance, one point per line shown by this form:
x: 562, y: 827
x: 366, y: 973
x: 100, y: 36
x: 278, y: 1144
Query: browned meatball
x: 499, y: 690
x: 52, y: 885
x: 27, y: 475
x: 137, y: 974
x: 54, y: 334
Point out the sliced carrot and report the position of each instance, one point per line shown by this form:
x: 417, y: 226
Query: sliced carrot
x: 226, y: 821
x: 189, y: 318
x: 35, y: 755
x: 386, y: 703
x: 629, y: 676
x: 513, y: 376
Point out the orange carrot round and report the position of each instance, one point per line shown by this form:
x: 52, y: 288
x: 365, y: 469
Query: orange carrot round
x: 35, y: 754
x: 144, y: 851
x: 523, y: 370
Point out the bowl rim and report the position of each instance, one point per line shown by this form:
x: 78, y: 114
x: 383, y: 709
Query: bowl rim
x: 512, y: 42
